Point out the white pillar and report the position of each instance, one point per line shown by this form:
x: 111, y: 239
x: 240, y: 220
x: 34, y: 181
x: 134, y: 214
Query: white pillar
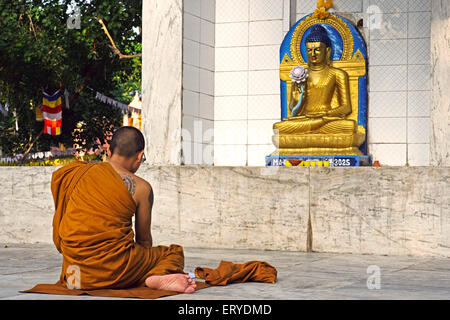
x: 440, y: 84
x: 162, y: 45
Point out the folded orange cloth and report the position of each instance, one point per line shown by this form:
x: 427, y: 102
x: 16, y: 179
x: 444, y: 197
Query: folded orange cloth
x: 92, y: 228
x: 228, y: 272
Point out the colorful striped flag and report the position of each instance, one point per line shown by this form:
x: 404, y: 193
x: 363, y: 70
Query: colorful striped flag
x: 52, y: 112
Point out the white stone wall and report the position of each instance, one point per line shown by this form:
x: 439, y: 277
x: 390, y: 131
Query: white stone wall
x: 162, y: 41
x: 198, y: 81
x: 440, y: 84
x: 384, y: 211
x: 246, y: 95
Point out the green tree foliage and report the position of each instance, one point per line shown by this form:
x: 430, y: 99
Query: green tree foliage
x: 39, y: 52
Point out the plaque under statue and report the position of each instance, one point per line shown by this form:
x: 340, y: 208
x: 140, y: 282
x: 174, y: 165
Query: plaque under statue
x: 323, y: 76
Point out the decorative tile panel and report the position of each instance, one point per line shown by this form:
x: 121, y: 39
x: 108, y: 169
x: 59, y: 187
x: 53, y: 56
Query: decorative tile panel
x: 231, y: 34
x: 419, y: 5
x: 419, y: 51
x: 419, y: 155
x: 419, y: 24
x: 264, y: 107
x: 266, y: 33
x: 266, y: 10
x: 389, y: 154
x: 387, y: 130
x: 232, y: 59
x: 264, y: 58
x: 419, y: 103
x: 232, y: 10
x: 419, y: 77
x: 418, y: 130
x: 231, y: 83
x: 388, y: 78
x: 264, y: 82
x: 387, y: 104
x: 388, y: 26
x: 388, y: 52
x: 230, y: 108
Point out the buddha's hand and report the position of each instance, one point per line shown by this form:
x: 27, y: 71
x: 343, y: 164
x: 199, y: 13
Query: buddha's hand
x: 295, y: 88
x: 295, y: 95
x: 298, y: 87
x: 316, y: 115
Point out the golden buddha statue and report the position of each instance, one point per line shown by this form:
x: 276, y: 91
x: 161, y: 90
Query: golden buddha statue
x: 319, y: 107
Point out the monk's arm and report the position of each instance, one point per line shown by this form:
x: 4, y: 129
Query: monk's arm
x: 144, y: 218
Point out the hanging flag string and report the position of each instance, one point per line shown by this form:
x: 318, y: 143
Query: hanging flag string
x: 3, y: 111
x: 101, y: 97
x: 66, y: 96
x: 15, y: 117
x: 105, y: 99
x: 125, y: 108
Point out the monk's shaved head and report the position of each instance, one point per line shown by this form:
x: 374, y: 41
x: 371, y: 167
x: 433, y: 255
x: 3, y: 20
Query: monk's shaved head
x: 127, y: 142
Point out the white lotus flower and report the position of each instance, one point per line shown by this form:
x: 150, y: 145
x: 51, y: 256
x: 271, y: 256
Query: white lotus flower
x: 299, y: 74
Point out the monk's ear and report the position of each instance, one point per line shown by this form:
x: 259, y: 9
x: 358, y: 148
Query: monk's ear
x: 140, y: 155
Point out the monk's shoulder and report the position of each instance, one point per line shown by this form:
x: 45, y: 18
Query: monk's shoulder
x: 144, y: 192
x: 142, y: 186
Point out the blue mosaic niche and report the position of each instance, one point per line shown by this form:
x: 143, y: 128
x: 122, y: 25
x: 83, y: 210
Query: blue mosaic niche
x: 336, y: 54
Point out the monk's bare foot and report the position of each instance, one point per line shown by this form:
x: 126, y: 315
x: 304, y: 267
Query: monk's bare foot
x: 174, y: 282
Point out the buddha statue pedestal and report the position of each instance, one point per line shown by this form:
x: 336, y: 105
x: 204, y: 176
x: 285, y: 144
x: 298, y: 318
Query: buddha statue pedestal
x: 318, y: 161
x: 324, y: 96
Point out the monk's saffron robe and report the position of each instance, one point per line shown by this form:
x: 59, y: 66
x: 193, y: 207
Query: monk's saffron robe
x: 92, y: 228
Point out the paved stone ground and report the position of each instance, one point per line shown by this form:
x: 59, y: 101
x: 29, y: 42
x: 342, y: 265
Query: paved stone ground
x: 300, y: 275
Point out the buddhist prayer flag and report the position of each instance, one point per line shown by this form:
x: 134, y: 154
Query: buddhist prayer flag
x: 52, y: 112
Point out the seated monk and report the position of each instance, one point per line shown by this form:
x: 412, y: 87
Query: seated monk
x: 92, y: 226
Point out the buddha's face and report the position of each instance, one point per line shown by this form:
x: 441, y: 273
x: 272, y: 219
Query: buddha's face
x: 317, y: 53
